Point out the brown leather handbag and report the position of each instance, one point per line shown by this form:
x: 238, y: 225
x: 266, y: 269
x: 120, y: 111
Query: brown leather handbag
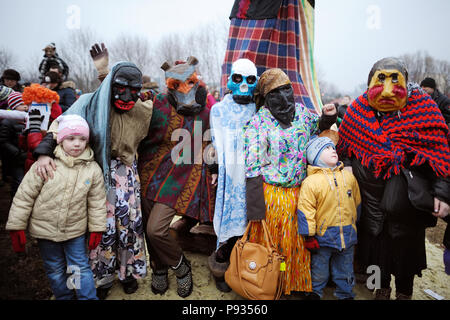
x: 256, y: 271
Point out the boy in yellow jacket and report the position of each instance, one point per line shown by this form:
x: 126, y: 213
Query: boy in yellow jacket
x: 58, y: 212
x: 327, y: 213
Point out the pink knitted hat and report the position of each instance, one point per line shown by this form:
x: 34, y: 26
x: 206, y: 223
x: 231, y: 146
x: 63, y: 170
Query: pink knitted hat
x: 71, y: 124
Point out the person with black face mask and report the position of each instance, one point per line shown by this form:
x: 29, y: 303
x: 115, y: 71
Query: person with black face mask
x: 119, y: 121
x: 275, y: 156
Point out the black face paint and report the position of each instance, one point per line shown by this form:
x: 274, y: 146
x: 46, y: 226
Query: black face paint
x: 126, y: 85
x: 281, y: 105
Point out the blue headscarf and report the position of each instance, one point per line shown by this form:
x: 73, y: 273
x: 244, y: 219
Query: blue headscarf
x: 95, y: 108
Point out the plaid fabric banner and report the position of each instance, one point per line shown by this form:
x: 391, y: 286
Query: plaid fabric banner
x: 285, y: 42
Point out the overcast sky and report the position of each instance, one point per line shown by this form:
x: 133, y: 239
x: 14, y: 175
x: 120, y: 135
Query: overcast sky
x: 350, y: 34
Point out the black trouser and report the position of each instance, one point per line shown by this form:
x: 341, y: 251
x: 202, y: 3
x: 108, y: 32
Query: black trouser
x: 16, y: 173
x: 403, y: 284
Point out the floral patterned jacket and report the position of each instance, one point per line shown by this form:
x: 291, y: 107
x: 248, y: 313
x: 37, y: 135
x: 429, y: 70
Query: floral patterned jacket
x: 278, y: 154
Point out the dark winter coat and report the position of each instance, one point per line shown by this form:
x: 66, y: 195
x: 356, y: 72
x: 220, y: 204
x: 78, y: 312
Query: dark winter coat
x: 444, y: 104
x: 67, y: 95
x: 447, y: 233
x: 44, y: 66
x: 372, y: 189
x: 396, y: 243
x: 12, y: 154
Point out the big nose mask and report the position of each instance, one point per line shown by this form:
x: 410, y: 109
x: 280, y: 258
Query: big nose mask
x: 387, y: 91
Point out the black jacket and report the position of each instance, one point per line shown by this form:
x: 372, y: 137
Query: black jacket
x: 44, y: 66
x: 444, y: 104
x: 372, y: 190
x: 9, y: 143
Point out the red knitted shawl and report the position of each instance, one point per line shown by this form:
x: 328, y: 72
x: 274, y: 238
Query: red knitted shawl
x: 418, y: 130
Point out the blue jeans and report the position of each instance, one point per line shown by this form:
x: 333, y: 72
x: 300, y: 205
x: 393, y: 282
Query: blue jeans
x: 68, y: 256
x: 340, y: 263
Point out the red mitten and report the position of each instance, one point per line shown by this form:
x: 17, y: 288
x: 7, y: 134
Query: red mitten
x: 18, y: 240
x: 94, y: 239
x: 311, y: 244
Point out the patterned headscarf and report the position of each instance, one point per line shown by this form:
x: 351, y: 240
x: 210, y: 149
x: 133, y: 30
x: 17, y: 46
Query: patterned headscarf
x: 269, y: 80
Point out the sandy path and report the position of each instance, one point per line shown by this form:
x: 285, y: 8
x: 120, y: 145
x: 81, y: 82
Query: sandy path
x: 433, y: 278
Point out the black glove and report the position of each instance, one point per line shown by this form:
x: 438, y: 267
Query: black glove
x: 35, y: 120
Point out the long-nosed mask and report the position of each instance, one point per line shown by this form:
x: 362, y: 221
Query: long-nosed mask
x: 186, y: 93
x: 387, y: 85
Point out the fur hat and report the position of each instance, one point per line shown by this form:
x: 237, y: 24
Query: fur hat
x: 315, y: 147
x: 15, y: 100
x: 71, y: 124
x: 11, y: 74
x: 429, y: 83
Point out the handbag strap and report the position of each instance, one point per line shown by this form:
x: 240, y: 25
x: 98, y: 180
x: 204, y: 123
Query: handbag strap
x: 270, y: 246
x: 267, y: 238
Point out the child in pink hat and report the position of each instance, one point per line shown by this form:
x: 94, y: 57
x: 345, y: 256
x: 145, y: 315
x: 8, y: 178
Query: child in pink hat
x: 61, y: 211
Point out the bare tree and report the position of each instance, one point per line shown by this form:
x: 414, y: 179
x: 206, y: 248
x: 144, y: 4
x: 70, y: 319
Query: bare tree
x: 207, y: 43
x: 421, y: 65
x: 328, y: 90
x: 133, y: 49
x: 75, y: 52
x: 30, y: 70
x: 6, y: 59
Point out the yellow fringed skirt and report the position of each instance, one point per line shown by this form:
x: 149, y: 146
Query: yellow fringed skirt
x: 281, y: 220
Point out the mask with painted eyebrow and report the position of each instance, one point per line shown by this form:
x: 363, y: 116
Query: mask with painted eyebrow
x: 387, y: 90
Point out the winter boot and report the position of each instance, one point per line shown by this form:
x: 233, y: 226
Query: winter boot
x: 184, y: 277
x: 218, y: 271
x: 383, y: 294
x: 401, y: 296
x: 103, y: 291
x: 160, y: 281
x: 129, y: 285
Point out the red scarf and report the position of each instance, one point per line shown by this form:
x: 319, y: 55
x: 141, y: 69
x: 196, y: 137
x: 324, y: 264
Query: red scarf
x: 418, y: 130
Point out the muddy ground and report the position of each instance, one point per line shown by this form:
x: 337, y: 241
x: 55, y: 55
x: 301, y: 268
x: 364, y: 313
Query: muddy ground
x: 22, y: 277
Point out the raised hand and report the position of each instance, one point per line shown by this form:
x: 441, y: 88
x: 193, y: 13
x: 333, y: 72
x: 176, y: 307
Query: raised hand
x: 100, y: 56
x: 99, y: 51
